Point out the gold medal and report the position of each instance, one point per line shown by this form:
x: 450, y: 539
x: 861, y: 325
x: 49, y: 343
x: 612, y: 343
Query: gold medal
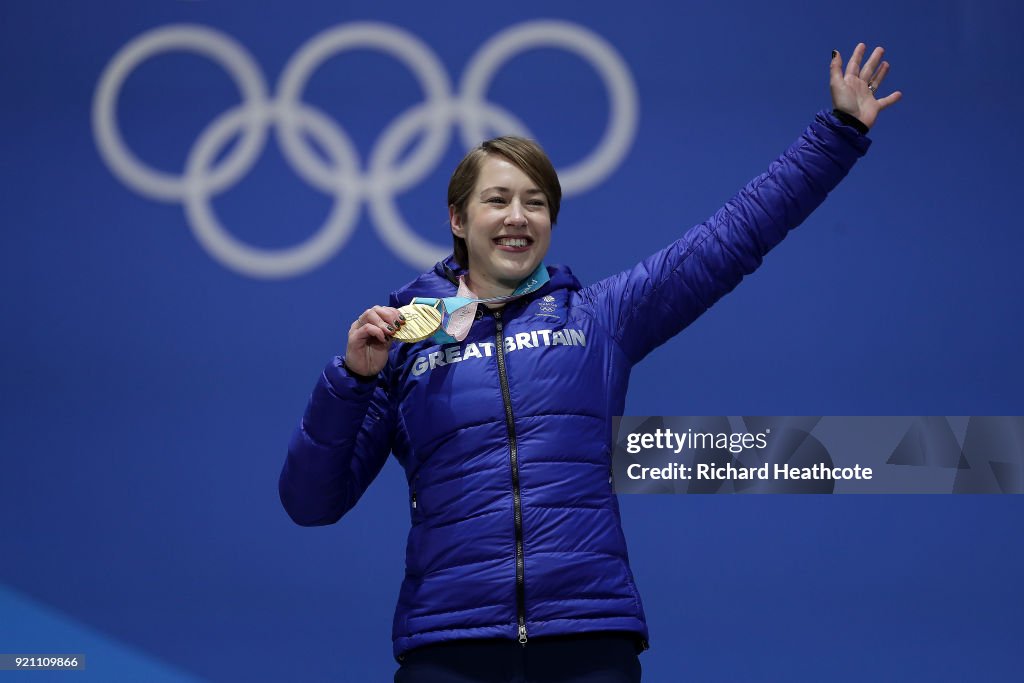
x: 421, y: 321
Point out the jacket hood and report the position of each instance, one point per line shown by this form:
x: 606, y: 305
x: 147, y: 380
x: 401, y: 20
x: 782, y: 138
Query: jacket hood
x: 443, y: 281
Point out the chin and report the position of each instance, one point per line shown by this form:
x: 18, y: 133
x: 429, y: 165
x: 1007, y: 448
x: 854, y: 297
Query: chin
x: 519, y: 271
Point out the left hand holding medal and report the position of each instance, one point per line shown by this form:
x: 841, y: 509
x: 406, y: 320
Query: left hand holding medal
x: 369, y: 337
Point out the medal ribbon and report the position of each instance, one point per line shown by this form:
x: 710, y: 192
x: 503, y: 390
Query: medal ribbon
x: 459, y: 311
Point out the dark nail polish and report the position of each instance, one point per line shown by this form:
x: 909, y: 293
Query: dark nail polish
x: 391, y: 328
x: 834, y: 53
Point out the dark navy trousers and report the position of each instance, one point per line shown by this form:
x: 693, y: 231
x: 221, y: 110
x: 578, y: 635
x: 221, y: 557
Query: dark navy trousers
x: 584, y: 658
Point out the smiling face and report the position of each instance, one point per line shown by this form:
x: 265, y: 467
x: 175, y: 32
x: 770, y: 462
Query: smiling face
x: 506, y: 223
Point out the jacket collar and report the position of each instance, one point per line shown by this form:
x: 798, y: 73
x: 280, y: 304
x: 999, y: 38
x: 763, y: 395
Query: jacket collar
x: 443, y: 281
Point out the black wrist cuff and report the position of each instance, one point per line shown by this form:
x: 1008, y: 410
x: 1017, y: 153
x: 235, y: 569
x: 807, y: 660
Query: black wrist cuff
x: 850, y: 120
x: 356, y: 375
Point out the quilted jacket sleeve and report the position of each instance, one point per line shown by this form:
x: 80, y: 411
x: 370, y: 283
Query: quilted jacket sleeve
x: 339, y: 447
x: 648, y: 304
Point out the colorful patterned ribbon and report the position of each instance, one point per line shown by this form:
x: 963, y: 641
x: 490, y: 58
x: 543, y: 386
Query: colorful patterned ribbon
x: 459, y: 311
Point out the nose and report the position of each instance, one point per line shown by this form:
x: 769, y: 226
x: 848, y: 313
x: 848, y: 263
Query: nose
x: 515, y: 216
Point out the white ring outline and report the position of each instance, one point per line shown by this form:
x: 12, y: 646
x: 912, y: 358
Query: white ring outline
x: 383, y: 179
x: 387, y: 219
x: 401, y: 45
x: 623, y: 114
x: 220, y: 48
x: 243, y: 257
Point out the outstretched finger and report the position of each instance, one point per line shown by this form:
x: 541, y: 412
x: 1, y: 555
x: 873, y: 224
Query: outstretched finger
x: 836, y: 67
x: 853, y: 66
x: 890, y: 100
x: 872, y: 64
x: 876, y: 80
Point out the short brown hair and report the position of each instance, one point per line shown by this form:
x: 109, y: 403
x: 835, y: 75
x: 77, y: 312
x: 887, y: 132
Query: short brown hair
x: 525, y: 154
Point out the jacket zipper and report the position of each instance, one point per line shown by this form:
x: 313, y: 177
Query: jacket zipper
x: 506, y: 397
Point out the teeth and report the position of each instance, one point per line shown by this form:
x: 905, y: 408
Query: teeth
x: 512, y: 241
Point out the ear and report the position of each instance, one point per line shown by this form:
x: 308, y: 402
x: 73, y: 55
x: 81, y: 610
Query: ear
x: 458, y: 229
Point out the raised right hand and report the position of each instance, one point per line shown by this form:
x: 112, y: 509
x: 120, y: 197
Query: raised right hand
x: 855, y: 92
x: 369, y: 338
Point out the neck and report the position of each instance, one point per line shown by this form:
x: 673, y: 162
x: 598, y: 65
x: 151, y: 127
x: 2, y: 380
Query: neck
x: 484, y: 289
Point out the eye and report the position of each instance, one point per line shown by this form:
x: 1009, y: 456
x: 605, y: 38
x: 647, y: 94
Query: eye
x: 495, y: 200
x: 537, y: 202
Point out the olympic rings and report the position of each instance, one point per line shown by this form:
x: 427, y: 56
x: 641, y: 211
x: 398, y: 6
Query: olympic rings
x: 341, y: 174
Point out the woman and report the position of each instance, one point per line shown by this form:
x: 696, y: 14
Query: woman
x: 516, y: 564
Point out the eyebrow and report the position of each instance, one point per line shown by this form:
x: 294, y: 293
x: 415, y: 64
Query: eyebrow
x: 498, y: 188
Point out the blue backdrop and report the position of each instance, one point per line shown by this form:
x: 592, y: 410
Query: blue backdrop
x: 177, y: 268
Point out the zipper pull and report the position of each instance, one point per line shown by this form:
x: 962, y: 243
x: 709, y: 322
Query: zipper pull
x: 414, y: 501
x: 522, y: 634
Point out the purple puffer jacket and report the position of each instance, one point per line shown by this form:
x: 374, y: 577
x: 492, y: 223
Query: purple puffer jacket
x: 505, y: 438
